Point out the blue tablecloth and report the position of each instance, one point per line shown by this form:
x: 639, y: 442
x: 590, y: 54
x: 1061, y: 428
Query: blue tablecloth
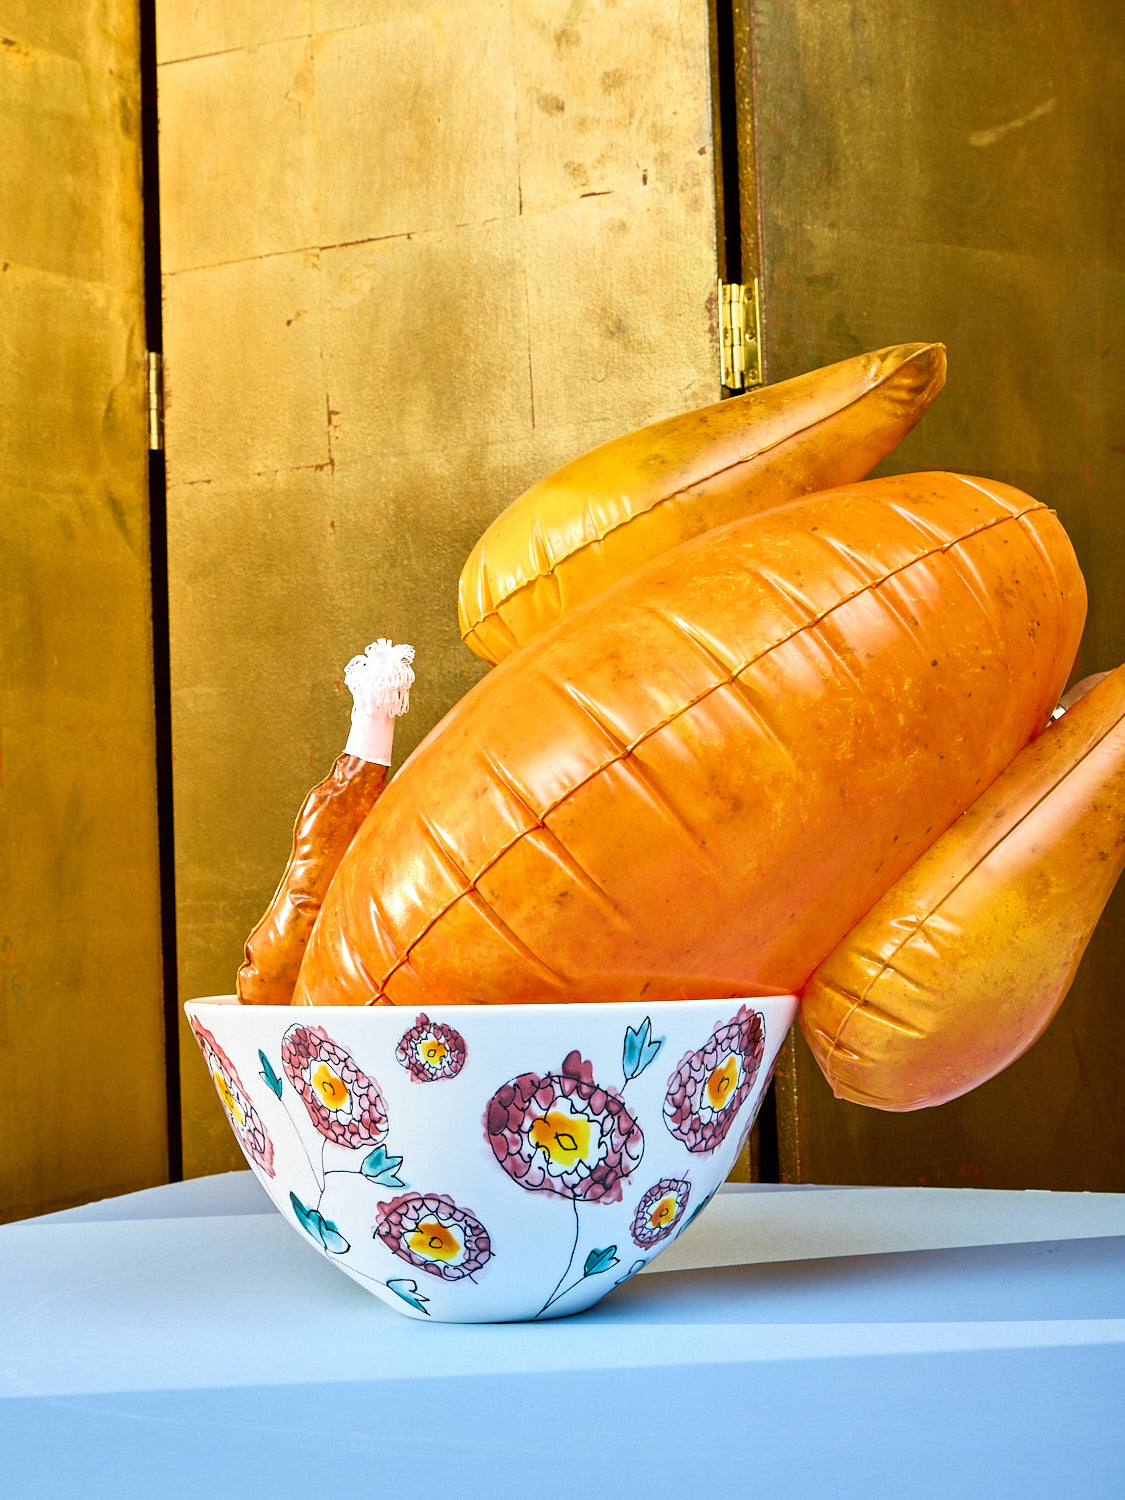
x: 187, y: 1342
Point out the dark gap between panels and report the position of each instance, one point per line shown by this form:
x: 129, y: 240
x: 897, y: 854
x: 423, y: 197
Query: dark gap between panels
x: 158, y: 532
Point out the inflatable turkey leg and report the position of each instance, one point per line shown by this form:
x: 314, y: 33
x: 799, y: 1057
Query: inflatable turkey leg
x: 603, y: 515
x: 699, y: 782
x: 380, y: 682
x: 962, y: 964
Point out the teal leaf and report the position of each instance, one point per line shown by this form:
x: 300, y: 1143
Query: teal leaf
x: 323, y: 1230
x: 408, y: 1291
x: 640, y: 1048
x: 382, y: 1168
x: 601, y: 1260
x: 268, y: 1074
x: 331, y: 1238
x: 632, y: 1271
x: 303, y: 1214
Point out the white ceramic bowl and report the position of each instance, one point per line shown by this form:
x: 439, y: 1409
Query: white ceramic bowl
x: 492, y: 1163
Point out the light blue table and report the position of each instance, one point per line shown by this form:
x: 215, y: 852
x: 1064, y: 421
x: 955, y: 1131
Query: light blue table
x: 187, y: 1342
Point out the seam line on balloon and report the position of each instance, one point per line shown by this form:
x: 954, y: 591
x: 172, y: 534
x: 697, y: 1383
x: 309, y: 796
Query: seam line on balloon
x: 699, y: 640
x: 629, y: 748
x: 622, y: 752
x: 588, y: 542
x: 566, y: 857
x: 470, y: 893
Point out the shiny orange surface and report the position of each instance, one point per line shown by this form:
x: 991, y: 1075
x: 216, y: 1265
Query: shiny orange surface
x: 965, y: 960
x: 700, y: 782
x: 325, y: 826
x: 607, y: 512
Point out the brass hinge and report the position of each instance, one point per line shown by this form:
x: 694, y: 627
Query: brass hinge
x: 740, y: 335
x: 155, y: 401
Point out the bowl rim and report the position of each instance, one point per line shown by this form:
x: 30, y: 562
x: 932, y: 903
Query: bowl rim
x: 577, y: 1007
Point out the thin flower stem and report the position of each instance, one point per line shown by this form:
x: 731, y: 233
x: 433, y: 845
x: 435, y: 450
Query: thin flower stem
x: 367, y: 1276
x: 323, y: 1175
x: 378, y: 1281
x: 301, y: 1142
x: 559, y: 1295
x: 559, y: 1291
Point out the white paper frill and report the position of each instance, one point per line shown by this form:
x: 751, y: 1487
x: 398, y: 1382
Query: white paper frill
x: 380, y: 681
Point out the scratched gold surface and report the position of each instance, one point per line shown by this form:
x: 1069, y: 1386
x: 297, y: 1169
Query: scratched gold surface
x: 953, y: 172
x: 415, y: 257
x: 82, y: 1107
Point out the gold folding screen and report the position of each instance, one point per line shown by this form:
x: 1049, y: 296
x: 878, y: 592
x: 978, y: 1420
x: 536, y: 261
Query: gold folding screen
x: 82, y: 1096
x: 415, y: 256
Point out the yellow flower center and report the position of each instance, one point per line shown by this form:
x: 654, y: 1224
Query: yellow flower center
x: 564, y: 1138
x: 228, y: 1099
x: 664, y: 1212
x: 433, y: 1051
x: 433, y: 1240
x: 722, y: 1083
x: 333, y: 1091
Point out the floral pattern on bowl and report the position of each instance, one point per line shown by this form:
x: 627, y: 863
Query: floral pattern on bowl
x: 430, y: 1052
x: 242, y: 1117
x: 564, y: 1133
x: 660, y: 1211
x: 429, y: 1231
x: 559, y: 1138
x: 343, y: 1103
x: 708, y: 1088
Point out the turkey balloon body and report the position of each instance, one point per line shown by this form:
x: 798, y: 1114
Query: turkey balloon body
x: 698, y: 782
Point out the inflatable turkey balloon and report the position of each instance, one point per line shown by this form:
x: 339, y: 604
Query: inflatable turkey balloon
x: 757, y: 724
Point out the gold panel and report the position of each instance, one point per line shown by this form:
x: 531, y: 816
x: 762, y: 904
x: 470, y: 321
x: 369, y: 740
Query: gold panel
x: 268, y: 200
x: 611, y: 100
x: 196, y: 28
x: 82, y: 1083
x: 405, y: 279
x: 243, y: 380
x: 338, y: 15
x: 401, y: 159
x: 633, y: 278
x: 385, y: 297
x: 951, y: 172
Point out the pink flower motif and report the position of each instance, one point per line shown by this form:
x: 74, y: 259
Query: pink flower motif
x: 660, y: 1211
x: 244, y: 1119
x: 563, y: 1133
x: 343, y: 1103
x: 707, y: 1090
x: 430, y: 1051
x: 430, y: 1232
